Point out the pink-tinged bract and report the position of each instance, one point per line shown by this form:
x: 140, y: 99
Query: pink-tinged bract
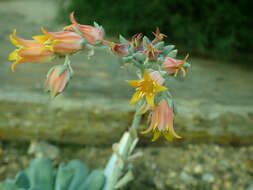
x: 57, y: 80
x: 156, y: 76
x: 120, y: 50
x: 173, y: 66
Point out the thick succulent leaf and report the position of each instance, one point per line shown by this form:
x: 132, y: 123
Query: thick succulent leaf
x: 63, y: 177
x: 80, y: 174
x: 95, y: 181
x: 41, y: 174
x: 22, y: 180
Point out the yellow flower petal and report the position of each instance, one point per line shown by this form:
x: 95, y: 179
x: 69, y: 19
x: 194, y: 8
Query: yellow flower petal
x: 174, y: 134
x: 14, y: 64
x: 160, y: 88
x: 147, y: 130
x: 41, y: 38
x: 167, y: 135
x: 134, y: 83
x: 146, y: 76
x: 157, y: 134
x: 13, y: 40
x: 150, y: 99
x: 136, y: 97
x: 14, y: 55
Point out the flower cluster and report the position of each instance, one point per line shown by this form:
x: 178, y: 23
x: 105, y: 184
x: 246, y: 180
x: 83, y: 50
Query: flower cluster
x: 47, y: 47
x: 154, y: 61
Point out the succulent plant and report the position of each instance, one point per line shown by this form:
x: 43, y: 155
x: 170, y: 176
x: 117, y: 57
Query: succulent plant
x: 40, y: 175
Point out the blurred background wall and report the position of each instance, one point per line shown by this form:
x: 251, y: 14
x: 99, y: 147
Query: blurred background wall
x: 209, y: 27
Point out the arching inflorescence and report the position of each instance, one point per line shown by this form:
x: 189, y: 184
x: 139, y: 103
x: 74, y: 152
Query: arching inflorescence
x: 154, y: 61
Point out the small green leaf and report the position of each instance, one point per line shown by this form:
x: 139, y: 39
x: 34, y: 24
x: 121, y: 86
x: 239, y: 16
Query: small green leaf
x: 62, y: 68
x: 145, y: 41
x: 122, y: 40
x: 131, y: 49
x: 41, y: 174
x: 186, y: 65
x: 140, y: 56
x: 51, y: 70
x: 80, y: 174
x: 172, y: 54
x: 83, y: 42
x: 127, y: 59
x: 159, y: 45
x: 168, y: 49
x: 63, y: 177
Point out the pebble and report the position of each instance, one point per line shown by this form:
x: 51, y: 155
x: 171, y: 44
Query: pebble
x: 159, y: 182
x: 186, y: 177
x: 207, y: 177
x: 43, y: 149
x: 224, y: 163
x: 198, y: 169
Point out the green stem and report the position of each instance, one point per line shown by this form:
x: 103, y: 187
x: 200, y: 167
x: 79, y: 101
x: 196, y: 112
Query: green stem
x: 115, y: 166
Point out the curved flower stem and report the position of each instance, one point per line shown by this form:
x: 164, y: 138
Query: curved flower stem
x: 123, y: 149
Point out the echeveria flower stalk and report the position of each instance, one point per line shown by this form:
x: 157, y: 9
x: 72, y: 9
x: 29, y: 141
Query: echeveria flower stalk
x: 151, y: 59
x: 29, y: 51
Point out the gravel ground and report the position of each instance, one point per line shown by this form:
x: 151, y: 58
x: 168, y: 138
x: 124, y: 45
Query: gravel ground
x: 197, y: 167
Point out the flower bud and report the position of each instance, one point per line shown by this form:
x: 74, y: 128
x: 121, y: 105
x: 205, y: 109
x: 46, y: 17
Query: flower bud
x: 57, y: 79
